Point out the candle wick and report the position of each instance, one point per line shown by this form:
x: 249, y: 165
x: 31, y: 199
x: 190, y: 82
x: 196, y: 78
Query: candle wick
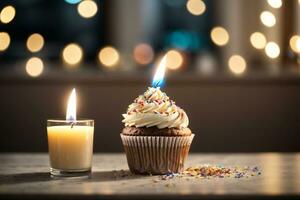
x: 72, y: 124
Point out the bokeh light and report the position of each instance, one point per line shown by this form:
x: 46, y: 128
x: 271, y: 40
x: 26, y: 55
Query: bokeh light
x: 174, y: 59
x: 267, y: 18
x: 87, y: 8
x: 72, y: 54
x: 143, y: 53
x: 272, y: 50
x: 4, y: 41
x: 237, y: 64
x: 35, y: 42
x: 34, y: 67
x: 7, y: 14
x: 219, y: 36
x: 206, y: 63
x: 295, y: 43
x: 72, y: 1
x: 183, y: 40
x: 275, y: 3
x: 196, y: 7
x: 258, y: 40
x: 109, y: 56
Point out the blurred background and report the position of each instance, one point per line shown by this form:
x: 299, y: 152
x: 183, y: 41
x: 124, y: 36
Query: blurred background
x: 234, y: 67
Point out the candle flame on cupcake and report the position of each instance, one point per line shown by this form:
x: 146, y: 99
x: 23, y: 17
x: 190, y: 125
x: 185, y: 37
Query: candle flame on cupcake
x: 71, y: 109
x: 158, y: 79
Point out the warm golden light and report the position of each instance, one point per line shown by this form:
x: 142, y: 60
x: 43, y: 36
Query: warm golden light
x: 87, y: 8
x: 71, y: 108
x: 34, y: 67
x: 272, y: 183
x: 35, y: 42
x: 158, y: 79
x: 196, y: 7
x: 109, y: 56
x: 258, y: 40
x: 72, y: 54
x: 295, y: 43
x: 219, y: 36
x: 143, y: 53
x: 237, y: 64
x: 275, y: 3
x: 4, y: 41
x: 267, y: 18
x: 7, y: 14
x: 272, y: 50
x: 174, y: 60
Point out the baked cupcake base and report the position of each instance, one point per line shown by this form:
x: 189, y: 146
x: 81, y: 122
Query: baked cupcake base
x: 156, y: 154
x: 154, y: 131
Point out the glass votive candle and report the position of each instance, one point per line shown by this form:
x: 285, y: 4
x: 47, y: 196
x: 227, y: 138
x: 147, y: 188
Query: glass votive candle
x: 70, y: 147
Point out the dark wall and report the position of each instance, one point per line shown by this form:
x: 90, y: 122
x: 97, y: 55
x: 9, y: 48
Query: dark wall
x: 225, y: 116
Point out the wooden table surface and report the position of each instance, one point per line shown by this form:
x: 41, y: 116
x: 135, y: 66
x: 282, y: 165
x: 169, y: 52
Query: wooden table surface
x: 27, y: 176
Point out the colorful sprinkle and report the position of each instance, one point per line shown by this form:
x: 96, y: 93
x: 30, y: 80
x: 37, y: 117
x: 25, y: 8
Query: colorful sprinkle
x: 210, y: 171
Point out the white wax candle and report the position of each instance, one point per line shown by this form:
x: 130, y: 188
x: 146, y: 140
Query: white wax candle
x: 70, y: 147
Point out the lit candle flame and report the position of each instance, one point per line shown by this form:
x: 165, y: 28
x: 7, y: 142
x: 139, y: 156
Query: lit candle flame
x: 158, y: 79
x: 71, y: 109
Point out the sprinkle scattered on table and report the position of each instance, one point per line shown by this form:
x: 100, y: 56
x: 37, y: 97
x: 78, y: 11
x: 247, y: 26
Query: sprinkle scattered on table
x: 199, y: 172
x: 211, y: 171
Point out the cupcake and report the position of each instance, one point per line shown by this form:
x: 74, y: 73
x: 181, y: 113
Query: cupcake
x: 156, y: 136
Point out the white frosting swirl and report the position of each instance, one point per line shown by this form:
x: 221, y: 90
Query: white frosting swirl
x: 154, y: 108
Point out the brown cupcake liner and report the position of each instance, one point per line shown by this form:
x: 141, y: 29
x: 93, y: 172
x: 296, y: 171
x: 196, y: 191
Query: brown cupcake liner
x: 156, y: 154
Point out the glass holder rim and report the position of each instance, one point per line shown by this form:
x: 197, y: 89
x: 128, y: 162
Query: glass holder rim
x: 62, y: 120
